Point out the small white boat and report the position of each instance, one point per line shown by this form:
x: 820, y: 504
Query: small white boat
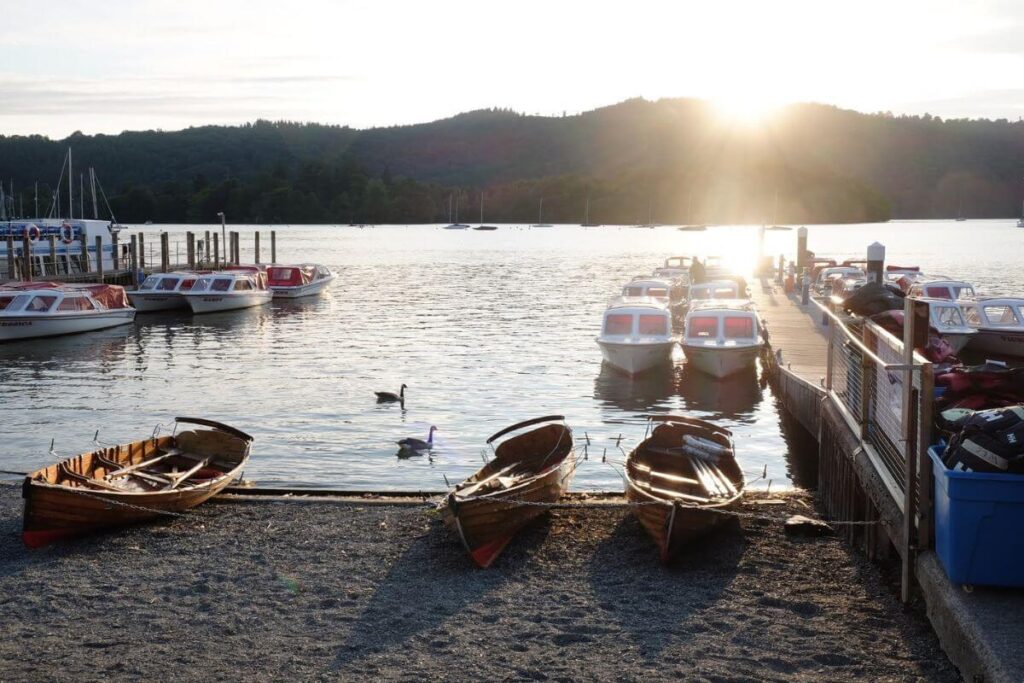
x: 48, y: 309
x: 162, y: 292
x: 662, y: 290
x: 947, y: 317
x: 723, y: 337
x: 828, y: 276
x: 681, y: 262
x: 636, y: 335
x: 940, y: 288
x: 240, y: 287
x: 714, y: 290
x: 292, y: 282
x: 999, y: 325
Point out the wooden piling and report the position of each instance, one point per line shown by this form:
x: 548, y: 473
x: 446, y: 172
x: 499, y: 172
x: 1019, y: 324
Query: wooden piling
x: 190, y: 249
x: 115, y: 260
x: 206, y: 248
x: 99, y: 259
x: 10, y: 256
x: 216, y: 250
x: 26, y: 255
x: 165, y: 252
x: 133, y: 261
x: 256, y: 243
x: 273, y: 246
x: 142, y: 251
x: 83, y: 239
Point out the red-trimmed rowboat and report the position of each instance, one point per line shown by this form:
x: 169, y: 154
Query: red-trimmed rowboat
x: 681, y: 479
x: 490, y: 507
x: 132, y: 482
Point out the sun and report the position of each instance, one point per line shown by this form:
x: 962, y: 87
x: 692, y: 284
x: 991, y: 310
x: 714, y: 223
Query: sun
x: 747, y: 111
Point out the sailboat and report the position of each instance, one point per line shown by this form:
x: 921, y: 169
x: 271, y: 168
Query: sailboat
x: 540, y: 217
x: 1020, y: 221
x: 960, y: 207
x: 482, y: 226
x: 586, y: 217
x: 650, y: 216
x: 456, y: 225
x: 691, y: 227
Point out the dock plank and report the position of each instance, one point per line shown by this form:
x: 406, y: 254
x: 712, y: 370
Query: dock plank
x: 794, y: 329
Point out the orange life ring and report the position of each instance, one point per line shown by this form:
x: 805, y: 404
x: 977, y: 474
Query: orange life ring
x: 67, y: 233
x: 32, y: 232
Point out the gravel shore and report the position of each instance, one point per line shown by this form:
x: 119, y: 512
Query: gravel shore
x: 273, y: 590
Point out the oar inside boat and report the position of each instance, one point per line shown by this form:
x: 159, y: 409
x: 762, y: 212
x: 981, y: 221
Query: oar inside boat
x: 529, y: 471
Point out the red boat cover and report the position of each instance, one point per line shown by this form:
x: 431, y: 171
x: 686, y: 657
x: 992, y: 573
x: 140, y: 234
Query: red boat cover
x: 289, y: 276
x: 111, y: 296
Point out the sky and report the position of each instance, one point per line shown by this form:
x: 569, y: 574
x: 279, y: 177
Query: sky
x: 104, y: 67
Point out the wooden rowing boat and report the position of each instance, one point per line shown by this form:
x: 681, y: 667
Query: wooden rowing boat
x: 490, y: 507
x: 680, y: 479
x: 132, y: 482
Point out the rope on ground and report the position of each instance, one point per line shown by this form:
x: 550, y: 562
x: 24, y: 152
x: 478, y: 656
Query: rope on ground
x: 121, y: 503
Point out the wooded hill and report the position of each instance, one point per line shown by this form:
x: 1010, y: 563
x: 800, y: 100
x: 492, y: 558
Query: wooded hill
x: 670, y: 161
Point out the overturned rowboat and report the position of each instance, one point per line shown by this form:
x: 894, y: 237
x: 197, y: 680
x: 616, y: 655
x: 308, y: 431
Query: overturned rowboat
x: 529, y: 471
x: 132, y: 482
x: 681, y: 480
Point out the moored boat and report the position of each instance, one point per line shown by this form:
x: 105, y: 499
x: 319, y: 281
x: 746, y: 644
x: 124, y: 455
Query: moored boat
x: 948, y: 320
x: 939, y: 288
x: 48, y: 309
x: 162, y: 292
x: 722, y: 337
x: 999, y: 325
x: 636, y: 335
x: 240, y: 287
x: 681, y: 480
x: 528, y: 471
x: 132, y: 482
x: 295, y: 281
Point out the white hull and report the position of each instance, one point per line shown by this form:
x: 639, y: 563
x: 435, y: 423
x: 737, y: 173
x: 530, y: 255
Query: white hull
x: 211, y: 302
x: 309, y: 289
x: 52, y: 325
x: 147, y: 302
x: 634, y: 358
x: 719, y: 361
x: 999, y: 342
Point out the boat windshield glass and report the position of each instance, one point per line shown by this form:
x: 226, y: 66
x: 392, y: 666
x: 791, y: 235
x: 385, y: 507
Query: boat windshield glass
x: 619, y: 323
x: 149, y: 282
x: 947, y: 316
x: 654, y: 325
x: 724, y: 293
x: 200, y: 285
x: 167, y: 284
x: 702, y: 327
x: 657, y: 292
x: 40, y: 304
x: 737, y: 327
x: 937, y: 292
x: 5, y: 301
x: 221, y: 284
x: 1000, y: 315
x: 963, y: 291
x: 76, y: 303
x: 241, y: 285
x: 972, y: 316
x: 186, y: 284
x: 632, y: 291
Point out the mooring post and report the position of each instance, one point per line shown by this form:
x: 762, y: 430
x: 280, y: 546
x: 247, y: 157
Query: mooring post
x: 165, y: 252
x: 805, y: 287
x: 256, y: 244
x: 115, y: 259
x: 237, y: 245
x: 26, y: 254
x: 206, y: 248
x: 801, y: 248
x: 83, y: 239
x: 273, y: 246
x: 99, y: 259
x: 10, y: 256
x: 53, y: 252
x: 216, y: 250
x: 142, y: 251
x: 876, y: 263
x: 133, y: 260
x: 190, y: 247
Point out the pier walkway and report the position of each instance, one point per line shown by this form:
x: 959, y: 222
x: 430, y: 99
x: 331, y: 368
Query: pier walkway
x: 979, y: 628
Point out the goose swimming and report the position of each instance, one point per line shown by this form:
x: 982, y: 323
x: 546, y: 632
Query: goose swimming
x: 390, y: 396
x: 410, y: 446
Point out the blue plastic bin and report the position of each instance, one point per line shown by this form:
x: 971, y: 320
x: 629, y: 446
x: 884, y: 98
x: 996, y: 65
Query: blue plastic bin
x: 979, y: 525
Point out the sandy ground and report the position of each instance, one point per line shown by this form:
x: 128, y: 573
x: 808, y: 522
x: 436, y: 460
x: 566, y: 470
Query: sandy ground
x: 327, y: 591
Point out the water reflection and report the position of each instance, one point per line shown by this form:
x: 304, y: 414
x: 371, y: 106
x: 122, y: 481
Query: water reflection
x: 735, y: 397
x: 637, y: 394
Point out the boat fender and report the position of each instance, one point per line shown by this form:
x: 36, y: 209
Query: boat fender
x: 67, y: 233
x: 32, y: 232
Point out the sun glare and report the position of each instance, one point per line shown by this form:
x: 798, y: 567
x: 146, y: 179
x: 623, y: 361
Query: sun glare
x: 745, y: 111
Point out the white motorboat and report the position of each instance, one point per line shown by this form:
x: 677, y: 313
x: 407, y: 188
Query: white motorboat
x: 48, y: 309
x: 999, y: 325
x: 240, y: 287
x: 715, y: 289
x: 292, y: 282
x: 681, y: 262
x: 926, y: 287
x: 828, y: 276
x: 162, y: 292
x: 659, y: 289
x: 947, y: 317
x: 636, y: 335
x: 723, y: 337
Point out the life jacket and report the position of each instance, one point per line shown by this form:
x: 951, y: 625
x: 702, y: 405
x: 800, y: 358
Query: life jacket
x: 989, y: 441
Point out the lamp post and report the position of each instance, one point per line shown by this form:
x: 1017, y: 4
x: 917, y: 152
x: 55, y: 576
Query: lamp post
x: 223, y: 234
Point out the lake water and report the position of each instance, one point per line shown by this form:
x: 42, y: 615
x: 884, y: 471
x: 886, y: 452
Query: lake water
x: 486, y: 328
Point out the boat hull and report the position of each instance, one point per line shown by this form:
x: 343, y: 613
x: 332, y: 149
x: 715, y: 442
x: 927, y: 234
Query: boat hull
x: 720, y: 361
x: 299, y: 291
x: 148, y: 302
x: 958, y: 341
x: 31, y: 326
x: 212, y: 303
x: 999, y: 342
x: 635, y: 358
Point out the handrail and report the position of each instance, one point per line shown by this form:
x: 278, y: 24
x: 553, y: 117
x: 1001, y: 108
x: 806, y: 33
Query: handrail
x: 897, y: 367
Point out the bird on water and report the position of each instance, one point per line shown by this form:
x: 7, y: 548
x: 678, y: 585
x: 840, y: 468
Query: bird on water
x: 410, y: 446
x: 390, y: 396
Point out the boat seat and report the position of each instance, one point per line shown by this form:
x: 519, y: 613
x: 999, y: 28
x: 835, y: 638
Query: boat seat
x: 68, y: 473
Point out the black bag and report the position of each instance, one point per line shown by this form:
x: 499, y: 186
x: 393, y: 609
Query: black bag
x: 873, y: 298
x: 989, y: 441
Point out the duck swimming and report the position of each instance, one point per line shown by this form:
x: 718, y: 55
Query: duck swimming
x: 410, y: 446
x: 390, y: 396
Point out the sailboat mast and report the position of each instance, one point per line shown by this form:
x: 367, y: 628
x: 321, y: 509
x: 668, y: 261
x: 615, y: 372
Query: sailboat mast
x: 540, y: 211
x: 92, y: 185
x: 36, y: 214
x: 71, y: 188
x: 81, y: 195
x: 586, y: 211
x: 481, y: 207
